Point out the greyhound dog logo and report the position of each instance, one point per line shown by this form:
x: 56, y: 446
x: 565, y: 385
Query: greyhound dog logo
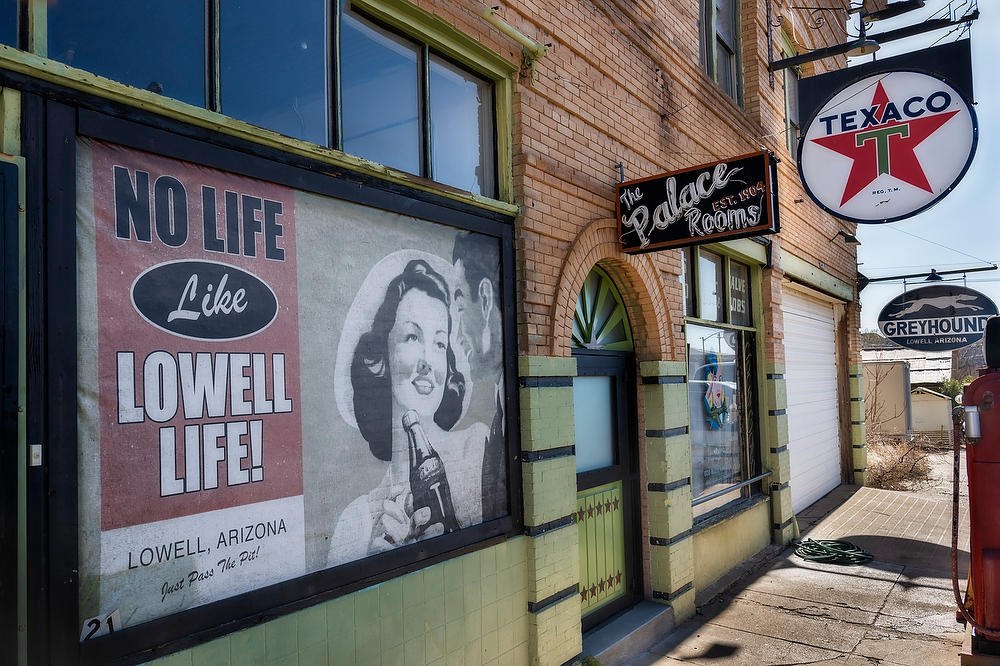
x: 942, y: 303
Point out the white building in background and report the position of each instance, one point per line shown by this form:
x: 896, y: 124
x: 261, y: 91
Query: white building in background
x: 927, y: 369
x: 931, y: 415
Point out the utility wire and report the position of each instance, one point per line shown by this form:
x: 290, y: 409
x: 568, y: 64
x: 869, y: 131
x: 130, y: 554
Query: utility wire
x: 915, y: 281
x: 899, y: 268
x: 927, y: 240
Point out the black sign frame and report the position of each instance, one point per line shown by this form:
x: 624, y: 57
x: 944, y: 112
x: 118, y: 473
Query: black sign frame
x: 54, y: 118
x: 949, y: 63
x: 716, y: 191
x: 935, y: 297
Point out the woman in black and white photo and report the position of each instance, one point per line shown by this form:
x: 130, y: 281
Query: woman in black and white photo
x: 404, y: 366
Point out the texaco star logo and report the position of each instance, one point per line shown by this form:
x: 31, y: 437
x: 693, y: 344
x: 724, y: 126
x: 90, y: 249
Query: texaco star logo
x: 887, y: 146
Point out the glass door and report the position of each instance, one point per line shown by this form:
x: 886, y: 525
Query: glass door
x: 607, y: 478
x: 607, y: 484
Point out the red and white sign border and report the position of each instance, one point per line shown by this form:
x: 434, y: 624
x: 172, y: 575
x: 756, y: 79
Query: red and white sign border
x: 821, y: 108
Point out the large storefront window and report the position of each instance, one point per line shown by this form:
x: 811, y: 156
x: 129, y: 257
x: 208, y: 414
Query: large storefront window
x: 273, y: 66
x: 157, y: 45
x: 8, y: 22
x: 721, y: 382
x: 393, y: 94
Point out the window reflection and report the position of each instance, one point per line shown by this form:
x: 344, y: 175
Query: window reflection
x: 380, y: 96
x: 716, y: 413
x: 461, y: 114
x: 594, y: 420
x: 272, y: 60
x: 710, y: 303
x: 158, y: 45
x: 8, y: 22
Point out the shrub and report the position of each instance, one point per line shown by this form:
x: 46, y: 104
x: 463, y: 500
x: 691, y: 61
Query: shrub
x: 896, y: 463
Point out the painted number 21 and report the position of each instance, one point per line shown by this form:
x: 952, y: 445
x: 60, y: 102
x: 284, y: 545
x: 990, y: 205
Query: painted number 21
x: 100, y: 625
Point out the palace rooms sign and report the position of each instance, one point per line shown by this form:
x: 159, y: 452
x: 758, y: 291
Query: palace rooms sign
x: 722, y: 200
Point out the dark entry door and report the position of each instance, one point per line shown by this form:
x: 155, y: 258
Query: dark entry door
x: 607, y: 483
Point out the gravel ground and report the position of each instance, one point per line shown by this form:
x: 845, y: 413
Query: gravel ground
x: 940, y: 484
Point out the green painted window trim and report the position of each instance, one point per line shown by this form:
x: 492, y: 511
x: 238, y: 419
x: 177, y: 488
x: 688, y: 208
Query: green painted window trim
x: 709, y: 17
x: 741, y: 249
x: 802, y: 271
x: 436, y: 32
x: 788, y: 49
x: 447, y: 40
x: 439, y: 34
x: 38, y: 27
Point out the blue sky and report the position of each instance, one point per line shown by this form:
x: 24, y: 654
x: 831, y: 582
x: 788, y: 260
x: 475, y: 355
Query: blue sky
x: 961, y: 230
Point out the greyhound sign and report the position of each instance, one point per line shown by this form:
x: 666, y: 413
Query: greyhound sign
x: 936, y: 318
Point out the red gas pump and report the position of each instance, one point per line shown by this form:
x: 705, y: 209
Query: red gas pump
x: 982, y: 450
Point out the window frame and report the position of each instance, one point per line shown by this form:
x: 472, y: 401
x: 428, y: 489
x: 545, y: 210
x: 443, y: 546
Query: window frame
x: 711, y: 38
x: 792, y: 124
x: 401, y: 16
x: 751, y: 454
x: 420, y: 76
x: 428, y: 46
x: 448, y: 42
x: 214, y: 60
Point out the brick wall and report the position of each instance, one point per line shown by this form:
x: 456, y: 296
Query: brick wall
x: 622, y: 83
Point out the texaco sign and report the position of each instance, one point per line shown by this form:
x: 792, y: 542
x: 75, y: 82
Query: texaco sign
x: 936, y: 317
x: 887, y: 146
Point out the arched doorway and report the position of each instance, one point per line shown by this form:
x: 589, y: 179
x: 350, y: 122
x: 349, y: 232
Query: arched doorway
x: 606, y: 451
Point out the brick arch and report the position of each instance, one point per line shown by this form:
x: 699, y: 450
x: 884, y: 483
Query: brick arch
x: 638, y: 283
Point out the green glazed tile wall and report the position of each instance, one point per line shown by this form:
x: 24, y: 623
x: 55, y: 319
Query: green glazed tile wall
x: 472, y: 609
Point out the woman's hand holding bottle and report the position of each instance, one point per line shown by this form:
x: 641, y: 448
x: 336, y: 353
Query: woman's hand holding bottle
x: 399, y: 524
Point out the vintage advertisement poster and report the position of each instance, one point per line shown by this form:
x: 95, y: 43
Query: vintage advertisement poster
x: 195, y: 473
x: 402, y: 352
x: 271, y: 382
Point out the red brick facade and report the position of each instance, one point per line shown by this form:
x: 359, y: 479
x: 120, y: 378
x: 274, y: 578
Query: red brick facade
x: 622, y: 82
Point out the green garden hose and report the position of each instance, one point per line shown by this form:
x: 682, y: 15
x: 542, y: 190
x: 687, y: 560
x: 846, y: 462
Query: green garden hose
x: 829, y: 551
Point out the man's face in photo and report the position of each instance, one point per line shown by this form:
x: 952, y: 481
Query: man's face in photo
x: 468, y: 316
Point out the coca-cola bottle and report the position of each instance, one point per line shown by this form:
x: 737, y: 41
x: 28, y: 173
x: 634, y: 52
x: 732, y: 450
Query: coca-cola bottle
x: 428, y: 481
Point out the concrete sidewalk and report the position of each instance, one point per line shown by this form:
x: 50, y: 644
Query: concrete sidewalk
x: 897, y: 609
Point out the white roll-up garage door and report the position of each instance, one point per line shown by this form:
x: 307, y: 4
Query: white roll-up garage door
x: 811, y: 384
